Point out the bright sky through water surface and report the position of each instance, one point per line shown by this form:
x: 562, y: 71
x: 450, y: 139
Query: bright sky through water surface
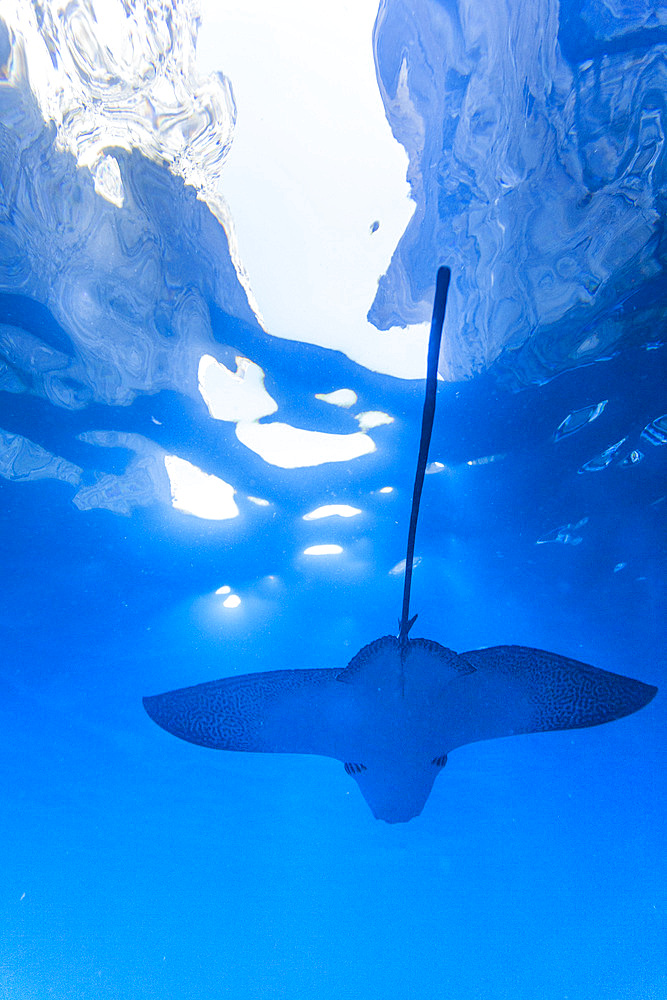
x: 313, y: 162
x: 218, y: 249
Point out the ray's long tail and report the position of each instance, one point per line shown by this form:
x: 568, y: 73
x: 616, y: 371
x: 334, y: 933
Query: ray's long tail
x: 435, y: 338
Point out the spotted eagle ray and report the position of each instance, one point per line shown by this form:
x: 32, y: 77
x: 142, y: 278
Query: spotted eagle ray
x: 395, y: 712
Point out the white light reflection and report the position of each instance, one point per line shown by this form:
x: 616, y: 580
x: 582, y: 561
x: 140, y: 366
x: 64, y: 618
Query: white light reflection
x: 340, y: 397
x: 373, y: 418
x: 197, y: 493
x: 234, y: 396
x: 294, y: 448
x: 399, y: 568
x: 332, y: 510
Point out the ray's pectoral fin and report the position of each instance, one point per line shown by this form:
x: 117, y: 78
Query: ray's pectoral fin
x: 279, y: 711
x: 544, y: 691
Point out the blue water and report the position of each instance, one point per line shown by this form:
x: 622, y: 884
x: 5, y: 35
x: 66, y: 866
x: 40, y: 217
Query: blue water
x: 137, y: 866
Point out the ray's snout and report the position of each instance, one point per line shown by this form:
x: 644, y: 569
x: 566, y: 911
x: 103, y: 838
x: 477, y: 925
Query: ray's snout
x: 390, y: 813
x: 395, y: 797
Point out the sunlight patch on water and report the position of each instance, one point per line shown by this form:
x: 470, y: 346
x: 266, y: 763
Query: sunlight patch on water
x: 231, y: 600
x: 373, y: 418
x: 340, y: 397
x: 241, y: 397
x: 233, y: 396
x: 331, y: 510
x: 294, y: 448
x: 196, y: 492
x: 399, y: 568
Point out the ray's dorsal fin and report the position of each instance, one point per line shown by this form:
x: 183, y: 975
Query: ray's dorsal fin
x: 435, y: 337
x: 376, y: 664
x: 448, y: 659
x: 384, y: 661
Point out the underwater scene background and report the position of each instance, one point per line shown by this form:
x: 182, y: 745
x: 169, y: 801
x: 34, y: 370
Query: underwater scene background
x: 215, y: 291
